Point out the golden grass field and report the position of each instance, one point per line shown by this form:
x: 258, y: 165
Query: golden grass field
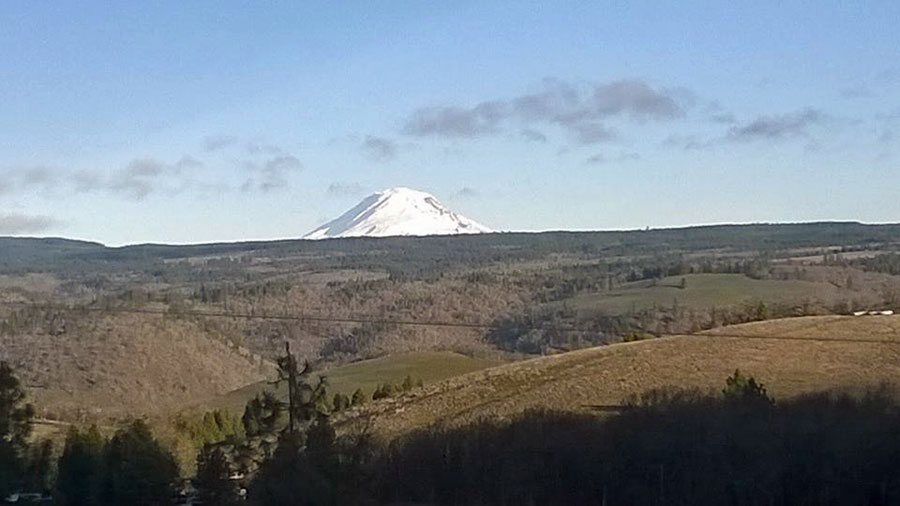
x: 788, y: 364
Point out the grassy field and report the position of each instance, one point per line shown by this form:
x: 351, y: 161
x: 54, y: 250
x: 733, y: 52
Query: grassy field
x: 700, y: 292
x: 429, y: 366
x: 607, y: 375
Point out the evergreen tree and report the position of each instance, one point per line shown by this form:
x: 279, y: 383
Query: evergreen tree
x: 312, y: 467
x: 39, y: 468
x: 340, y: 402
x: 305, y: 400
x: 745, y: 389
x: 264, y: 424
x: 359, y: 398
x: 15, y: 426
x: 263, y: 415
x: 80, y: 468
x: 214, y: 484
x: 138, y: 470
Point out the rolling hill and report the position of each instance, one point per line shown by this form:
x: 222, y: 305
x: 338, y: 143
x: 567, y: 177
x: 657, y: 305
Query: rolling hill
x: 790, y: 356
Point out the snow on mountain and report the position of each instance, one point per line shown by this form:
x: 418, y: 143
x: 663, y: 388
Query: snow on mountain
x: 398, y: 211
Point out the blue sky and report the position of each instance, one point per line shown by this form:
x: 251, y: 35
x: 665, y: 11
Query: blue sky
x: 185, y: 122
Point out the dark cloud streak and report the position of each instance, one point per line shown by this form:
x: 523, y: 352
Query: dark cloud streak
x: 379, y: 149
x: 579, y: 111
x: 778, y: 127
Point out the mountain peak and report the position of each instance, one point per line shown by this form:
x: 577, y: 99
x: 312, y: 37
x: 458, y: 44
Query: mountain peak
x: 398, y: 211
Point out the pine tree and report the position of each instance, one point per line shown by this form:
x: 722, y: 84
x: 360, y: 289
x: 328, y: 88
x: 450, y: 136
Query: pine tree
x: 39, y: 468
x: 745, y: 389
x: 213, y: 483
x: 15, y: 426
x: 138, y: 470
x: 359, y: 398
x: 80, y: 468
x: 305, y: 401
x: 340, y: 402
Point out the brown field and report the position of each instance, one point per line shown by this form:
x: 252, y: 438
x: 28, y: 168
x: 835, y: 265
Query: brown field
x: 804, y: 355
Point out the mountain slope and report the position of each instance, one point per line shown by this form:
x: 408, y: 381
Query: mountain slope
x: 398, y: 211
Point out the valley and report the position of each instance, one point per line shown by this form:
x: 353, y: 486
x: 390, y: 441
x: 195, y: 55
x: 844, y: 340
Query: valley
x: 439, y: 333
x: 154, y: 329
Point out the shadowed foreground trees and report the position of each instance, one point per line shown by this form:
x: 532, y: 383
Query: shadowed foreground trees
x: 132, y: 468
x: 80, y: 468
x: 15, y: 427
x: 667, y: 446
x: 137, y: 469
x: 671, y: 447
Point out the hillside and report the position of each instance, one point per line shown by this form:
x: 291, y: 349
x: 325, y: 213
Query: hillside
x: 112, y: 366
x: 367, y: 375
x: 607, y: 375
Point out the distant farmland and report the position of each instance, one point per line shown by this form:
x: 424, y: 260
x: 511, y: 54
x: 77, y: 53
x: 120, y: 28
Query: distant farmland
x: 701, y: 292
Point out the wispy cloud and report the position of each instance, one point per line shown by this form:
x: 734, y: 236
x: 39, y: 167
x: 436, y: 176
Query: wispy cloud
x: 778, y: 127
x: 532, y: 135
x: 579, y: 110
x: 597, y: 159
x: 724, y: 118
x: 30, y: 178
x: 262, y: 149
x: 218, y: 142
x: 342, y: 189
x: 467, y: 192
x: 601, y: 159
x: 271, y: 174
x: 687, y: 142
x: 591, y: 133
x: 17, y: 223
x: 379, y: 149
x: 456, y: 121
x: 717, y: 114
x: 142, y: 176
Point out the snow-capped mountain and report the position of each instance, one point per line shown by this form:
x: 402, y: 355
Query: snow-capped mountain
x: 398, y: 211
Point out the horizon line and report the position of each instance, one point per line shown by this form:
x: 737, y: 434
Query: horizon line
x: 493, y: 232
